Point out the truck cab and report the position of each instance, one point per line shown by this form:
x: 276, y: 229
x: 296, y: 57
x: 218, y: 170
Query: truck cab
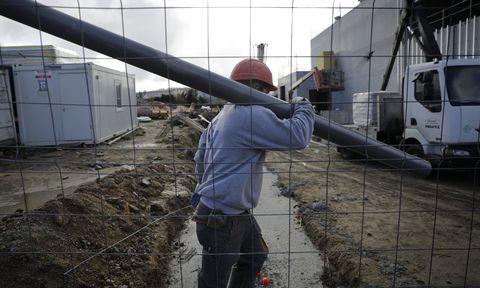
x: 442, y: 111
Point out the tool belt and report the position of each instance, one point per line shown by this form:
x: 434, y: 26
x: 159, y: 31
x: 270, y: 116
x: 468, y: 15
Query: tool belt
x: 213, y: 218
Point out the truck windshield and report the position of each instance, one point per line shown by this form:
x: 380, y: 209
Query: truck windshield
x: 463, y: 85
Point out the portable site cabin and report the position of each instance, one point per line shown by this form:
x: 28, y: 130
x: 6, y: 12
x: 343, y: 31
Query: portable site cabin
x: 7, y: 125
x: 73, y: 103
x: 24, y: 55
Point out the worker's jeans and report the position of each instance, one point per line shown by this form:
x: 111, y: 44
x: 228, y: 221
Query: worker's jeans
x: 235, y: 251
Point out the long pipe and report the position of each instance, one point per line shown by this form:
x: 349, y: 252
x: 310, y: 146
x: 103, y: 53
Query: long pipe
x: 95, y: 38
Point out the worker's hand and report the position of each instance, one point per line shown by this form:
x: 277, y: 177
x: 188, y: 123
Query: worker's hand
x: 300, y: 100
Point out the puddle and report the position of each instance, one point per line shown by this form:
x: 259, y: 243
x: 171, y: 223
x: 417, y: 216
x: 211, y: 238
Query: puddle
x: 10, y: 203
x: 34, y: 197
x: 293, y: 260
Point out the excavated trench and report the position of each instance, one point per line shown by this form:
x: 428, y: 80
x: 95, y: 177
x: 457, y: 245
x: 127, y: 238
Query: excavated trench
x: 293, y: 260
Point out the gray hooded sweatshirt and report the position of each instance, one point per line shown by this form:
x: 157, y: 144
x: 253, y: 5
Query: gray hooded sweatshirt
x: 231, y: 152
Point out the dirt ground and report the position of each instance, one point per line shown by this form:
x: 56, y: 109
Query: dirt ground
x: 43, y: 173
x: 127, y: 211
x: 377, y: 227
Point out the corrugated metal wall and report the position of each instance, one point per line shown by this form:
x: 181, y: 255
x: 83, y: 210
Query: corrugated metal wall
x: 457, y: 41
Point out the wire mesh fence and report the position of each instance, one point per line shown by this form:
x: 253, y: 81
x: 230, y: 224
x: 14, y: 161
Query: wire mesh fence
x: 102, y: 108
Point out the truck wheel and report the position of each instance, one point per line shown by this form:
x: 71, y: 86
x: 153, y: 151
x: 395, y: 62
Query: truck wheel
x: 415, y: 150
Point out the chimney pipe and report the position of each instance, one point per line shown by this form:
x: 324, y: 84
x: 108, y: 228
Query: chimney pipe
x: 261, y: 51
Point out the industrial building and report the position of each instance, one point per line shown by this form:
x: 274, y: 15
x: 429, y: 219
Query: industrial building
x: 361, y: 42
x: 284, y: 85
x: 310, y: 84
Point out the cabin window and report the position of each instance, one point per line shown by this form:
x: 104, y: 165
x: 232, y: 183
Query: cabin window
x: 463, y: 85
x: 118, y: 93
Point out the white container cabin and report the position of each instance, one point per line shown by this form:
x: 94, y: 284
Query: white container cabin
x: 73, y: 103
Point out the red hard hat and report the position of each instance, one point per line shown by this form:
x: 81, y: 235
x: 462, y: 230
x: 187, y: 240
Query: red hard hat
x: 253, y: 69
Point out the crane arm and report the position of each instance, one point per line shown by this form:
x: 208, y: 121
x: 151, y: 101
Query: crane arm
x: 423, y: 34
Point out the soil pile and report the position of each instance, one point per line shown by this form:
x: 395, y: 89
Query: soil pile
x: 381, y: 228
x: 38, y: 248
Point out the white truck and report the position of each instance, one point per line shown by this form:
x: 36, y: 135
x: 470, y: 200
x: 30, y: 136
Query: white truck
x: 438, y: 117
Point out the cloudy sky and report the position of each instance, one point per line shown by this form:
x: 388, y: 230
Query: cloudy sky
x: 214, y: 34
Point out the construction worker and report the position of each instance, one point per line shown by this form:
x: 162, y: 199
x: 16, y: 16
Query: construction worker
x: 229, y: 169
